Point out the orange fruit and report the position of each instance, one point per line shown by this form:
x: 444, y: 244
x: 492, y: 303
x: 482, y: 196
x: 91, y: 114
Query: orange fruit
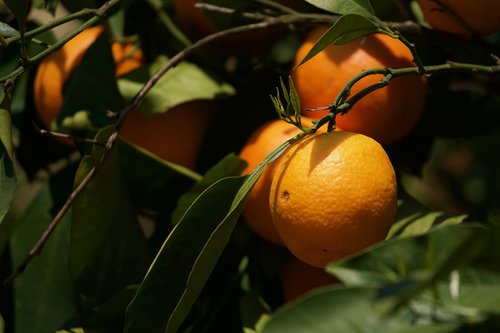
x: 56, y: 68
x: 175, y: 135
x: 260, y: 143
x: 481, y: 17
x: 298, y: 278
x: 386, y: 114
x: 333, y: 194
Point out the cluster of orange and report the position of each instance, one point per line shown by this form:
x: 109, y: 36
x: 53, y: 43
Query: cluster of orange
x: 331, y: 194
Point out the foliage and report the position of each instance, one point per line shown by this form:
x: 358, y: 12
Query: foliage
x: 145, y: 245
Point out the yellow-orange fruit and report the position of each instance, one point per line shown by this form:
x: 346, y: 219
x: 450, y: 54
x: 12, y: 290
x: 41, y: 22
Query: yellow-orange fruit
x: 262, y: 141
x: 387, y: 114
x: 333, y: 194
x: 463, y: 18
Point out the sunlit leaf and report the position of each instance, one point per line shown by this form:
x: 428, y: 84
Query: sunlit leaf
x: 346, y: 310
x: 183, y: 83
x: 7, y: 31
x: 44, y: 293
x: 108, y: 249
x: 348, y: 28
x: 342, y: 7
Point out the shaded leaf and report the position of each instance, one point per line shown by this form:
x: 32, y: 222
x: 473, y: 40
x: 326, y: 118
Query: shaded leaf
x: 108, y: 249
x: 348, y: 28
x: 19, y: 8
x: 183, y: 83
x: 231, y: 165
x: 189, y: 254
x: 91, y: 90
x: 8, y: 181
x: 44, y: 293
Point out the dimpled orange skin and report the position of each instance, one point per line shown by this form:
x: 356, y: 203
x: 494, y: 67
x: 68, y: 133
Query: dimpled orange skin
x: 480, y: 16
x: 387, y: 114
x: 333, y: 194
x: 260, y: 143
x: 55, y: 69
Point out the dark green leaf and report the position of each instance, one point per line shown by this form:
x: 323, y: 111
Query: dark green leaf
x: 231, y: 165
x: 294, y: 98
x: 189, y: 254
x: 348, y: 28
x: 183, y: 83
x: 343, y: 7
x: 8, y: 182
x: 108, y: 249
x: 169, y: 278
x: 153, y: 182
x: 345, y: 310
x: 19, y: 8
x: 91, y: 91
x: 44, y: 293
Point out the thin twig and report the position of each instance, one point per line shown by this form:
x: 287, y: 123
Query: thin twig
x: 59, y: 135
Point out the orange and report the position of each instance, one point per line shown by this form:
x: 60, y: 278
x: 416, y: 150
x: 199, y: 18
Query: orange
x: 386, y: 114
x: 55, y: 69
x: 260, y: 143
x: 175, y: 135
x: 333, y: 194
x: 481, y: 17
x: 298, y: 278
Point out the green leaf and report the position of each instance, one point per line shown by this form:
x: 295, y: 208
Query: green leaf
x: 91, y: 89
x: 44, y: 293
x: 174, y: 273
x: 19, y: 8
x: 8, y: 181
x: 294, y: 98
x: 420, y: 223
x: 7, y: 31
x: 346, y: 310
x: 342, y: 7
x: 189, y: 254
x: 348, y: 28
x: 108, y: 249
x: 152, y: 182
x: 183, y: 83
x: 231, y: 165
x: 424, y: 258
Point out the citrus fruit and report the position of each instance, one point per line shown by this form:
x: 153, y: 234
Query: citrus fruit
x: 175, y: 135
x: 386, y: 114
x: 298, y: 278
x: 332, y: 195
x: 56, y: 68
x: 260, y: 143
x: 463, y: 18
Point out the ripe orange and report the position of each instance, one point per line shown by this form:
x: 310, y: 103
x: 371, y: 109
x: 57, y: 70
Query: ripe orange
x: 298, y: 278
x: 386, y: 114
x: 175, y: 135
x: 333, y: 194
x: 55, y: 69
x: 262, y: 141
x: 481, y: 17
